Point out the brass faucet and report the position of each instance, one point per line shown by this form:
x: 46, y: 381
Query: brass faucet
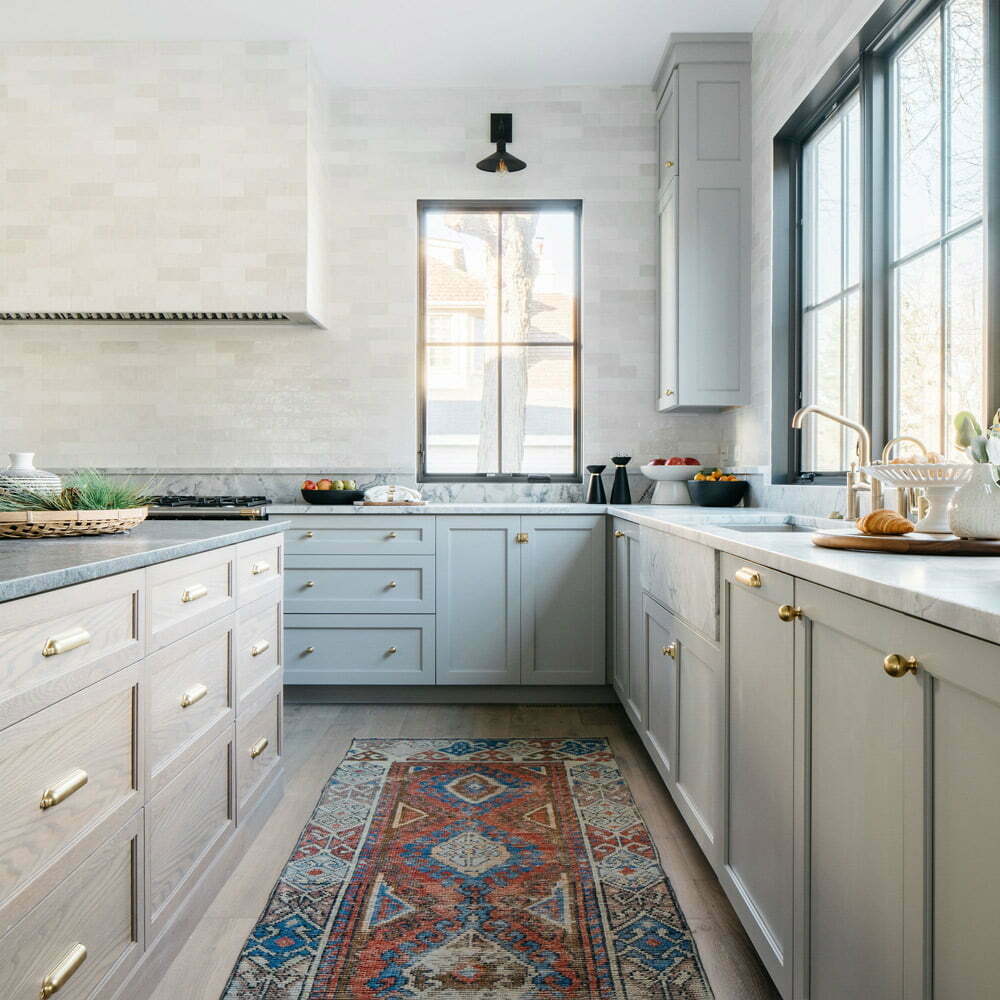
x: 858, y: 481
x: 908, y: 502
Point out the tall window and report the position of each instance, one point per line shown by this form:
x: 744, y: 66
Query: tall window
x: 499, y: 340
x: 939, y: 342
x: 881, y: 290
x: 831, y: 283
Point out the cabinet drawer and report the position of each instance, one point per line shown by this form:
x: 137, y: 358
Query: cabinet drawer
x: 78, y: 756
x: 359, y: 649
x: 258, y: 646
x: 185, y: 825
x: 683, y: 576
x: 55, y: 643
x: 258, y: 567
x: 258, y: 747
x: 185, y: 594
x: 97, y: 907
x: 359, y: 584
x: 360, y: 534
x: 189, y: 695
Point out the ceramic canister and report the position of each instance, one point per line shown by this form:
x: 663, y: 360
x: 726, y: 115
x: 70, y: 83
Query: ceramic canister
x: 21, y: 474
x: 975, y: 507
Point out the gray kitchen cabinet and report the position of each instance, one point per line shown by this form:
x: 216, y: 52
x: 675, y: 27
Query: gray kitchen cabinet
x: 562, y: 600
x: 757, y: 864
x: 520, y: 600
x: 861, y: 902
x: 629, y: 652
x: 704, y: 225
x: 660, y: 735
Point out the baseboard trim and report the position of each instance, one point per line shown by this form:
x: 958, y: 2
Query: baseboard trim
x: 448, y: 694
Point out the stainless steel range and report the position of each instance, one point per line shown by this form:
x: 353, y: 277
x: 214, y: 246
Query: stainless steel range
x: 219, y: 508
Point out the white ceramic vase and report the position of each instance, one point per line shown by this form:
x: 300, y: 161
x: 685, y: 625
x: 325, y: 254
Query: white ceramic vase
x: 975, y: 508
x: 21, y: 474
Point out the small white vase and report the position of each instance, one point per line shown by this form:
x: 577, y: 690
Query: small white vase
x: 21, y: 474
x: 975, y: 508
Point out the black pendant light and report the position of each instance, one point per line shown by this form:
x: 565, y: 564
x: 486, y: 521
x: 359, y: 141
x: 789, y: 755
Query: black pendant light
x: 501, y: 132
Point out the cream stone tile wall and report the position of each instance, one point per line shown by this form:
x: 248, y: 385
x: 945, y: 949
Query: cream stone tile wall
x: 266, y: 398
x: 794, y: 43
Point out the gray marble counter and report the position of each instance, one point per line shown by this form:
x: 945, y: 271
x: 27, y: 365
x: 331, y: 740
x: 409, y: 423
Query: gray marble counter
x: 31, y: 566
x: 960, y: 592
x: 442, y: 508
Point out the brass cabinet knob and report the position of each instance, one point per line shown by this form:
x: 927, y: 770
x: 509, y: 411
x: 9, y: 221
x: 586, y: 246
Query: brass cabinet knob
x: 391, y: 650
x: 308, y: 650
x: 668, y: 163
x: 671, y: 651
x: 668, y: 392
x: 63, y: 972
x: 747, y: 576
x: 619, y: 534
x: 789, y: 613
x: 521, y: 538
x: 392, y: 534
x: 896, y: 665
x: 308, y: 534
x: 309, y: 583
x: 392, y: 585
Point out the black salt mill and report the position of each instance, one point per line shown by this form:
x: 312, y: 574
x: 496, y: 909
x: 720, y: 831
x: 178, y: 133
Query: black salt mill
x: 620, y: 493
x: 595, y: 488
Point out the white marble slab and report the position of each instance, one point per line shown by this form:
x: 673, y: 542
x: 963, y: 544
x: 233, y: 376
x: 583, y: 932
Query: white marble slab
x: 441, y: 508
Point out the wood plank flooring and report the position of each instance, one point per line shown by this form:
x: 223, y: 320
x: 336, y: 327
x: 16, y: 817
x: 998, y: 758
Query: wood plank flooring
x: 316, y: 737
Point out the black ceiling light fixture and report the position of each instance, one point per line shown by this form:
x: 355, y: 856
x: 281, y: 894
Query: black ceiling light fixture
x: 501, y: 132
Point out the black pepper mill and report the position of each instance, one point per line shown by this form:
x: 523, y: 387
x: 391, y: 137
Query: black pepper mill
x: 620, y: 492
x: 595, y: 488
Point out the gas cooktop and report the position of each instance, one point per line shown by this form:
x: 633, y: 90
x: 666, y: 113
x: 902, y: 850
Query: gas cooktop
x: 220, y: 508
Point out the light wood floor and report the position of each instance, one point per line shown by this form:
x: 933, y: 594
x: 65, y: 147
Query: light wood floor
x: 316, y: 737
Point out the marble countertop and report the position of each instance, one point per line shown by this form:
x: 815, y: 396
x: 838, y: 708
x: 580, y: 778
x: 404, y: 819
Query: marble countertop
x: 960, y: 592
x: 31, y: 566
x: 442, y: 508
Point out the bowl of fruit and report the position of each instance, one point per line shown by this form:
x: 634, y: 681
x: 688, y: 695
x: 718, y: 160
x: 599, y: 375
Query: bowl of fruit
x: 717, y: 489
x: 327, y: 491
x: 670, y: 475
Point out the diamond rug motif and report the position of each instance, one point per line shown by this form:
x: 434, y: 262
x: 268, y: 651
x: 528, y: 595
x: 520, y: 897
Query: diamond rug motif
x: 472, y: 869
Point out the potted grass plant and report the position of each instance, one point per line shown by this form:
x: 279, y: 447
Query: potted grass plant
x: 88, y: 504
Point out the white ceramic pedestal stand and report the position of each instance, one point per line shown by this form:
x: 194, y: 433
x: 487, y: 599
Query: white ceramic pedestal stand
x: 938, y: 482
x: 671, y: 482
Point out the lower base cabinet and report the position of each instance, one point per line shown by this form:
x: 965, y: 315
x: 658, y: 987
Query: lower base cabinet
x: 629, y: 672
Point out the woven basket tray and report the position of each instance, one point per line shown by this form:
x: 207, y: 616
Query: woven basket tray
x: 60, y: 523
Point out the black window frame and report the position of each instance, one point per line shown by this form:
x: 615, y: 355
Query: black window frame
x: 863, y: 66
x: 485, y: 205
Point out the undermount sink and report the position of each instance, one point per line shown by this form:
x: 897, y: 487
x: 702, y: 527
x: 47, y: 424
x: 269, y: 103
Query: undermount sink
x: 768, y: 528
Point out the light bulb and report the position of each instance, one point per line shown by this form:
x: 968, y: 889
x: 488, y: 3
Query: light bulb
x: 502, y: 167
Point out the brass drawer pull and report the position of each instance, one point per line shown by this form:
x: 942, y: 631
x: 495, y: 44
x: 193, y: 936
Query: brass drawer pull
x: 308, y: 534
x: 392, y: 534
x: 391, y: 585
x: 258, y: 748
x: 898, y: 666
x: 391, y: 650
x: 192, y: 695
x: 195, y: 593
x: 668, y: 392
x: 668, y: 163
x: 62, y: 790
x: 789, y: 613
x: 619, y: 533
x: 671, y: 651
x: 521, y: 538
x: 309, y: 583
x: 747, y: 576
x: 63, y: 972
x: 66, y: 641
x: 260, y: 567
x: 260, y: 647
x: 308, y: 650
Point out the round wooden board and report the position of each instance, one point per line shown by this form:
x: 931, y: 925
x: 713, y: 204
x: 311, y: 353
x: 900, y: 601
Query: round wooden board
x: 913, y: 544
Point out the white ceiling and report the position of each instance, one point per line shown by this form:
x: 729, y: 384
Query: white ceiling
x: 410, y: 42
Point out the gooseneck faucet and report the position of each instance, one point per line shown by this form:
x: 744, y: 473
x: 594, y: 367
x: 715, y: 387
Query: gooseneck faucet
x: 858, y: 481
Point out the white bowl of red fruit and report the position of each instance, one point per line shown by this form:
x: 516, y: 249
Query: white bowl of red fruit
x: 671, y: 476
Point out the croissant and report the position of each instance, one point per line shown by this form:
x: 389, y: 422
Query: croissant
x: 884, y: 522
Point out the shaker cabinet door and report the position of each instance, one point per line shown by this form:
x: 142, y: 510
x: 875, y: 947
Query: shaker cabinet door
x: 562, y: 599
x: 478, y: 600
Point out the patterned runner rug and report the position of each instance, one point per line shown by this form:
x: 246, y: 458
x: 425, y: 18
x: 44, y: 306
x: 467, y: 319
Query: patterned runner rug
x: 472, y: 869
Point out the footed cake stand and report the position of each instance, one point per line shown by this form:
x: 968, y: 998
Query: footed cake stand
x: 938, y: 481
x: 671, y: 482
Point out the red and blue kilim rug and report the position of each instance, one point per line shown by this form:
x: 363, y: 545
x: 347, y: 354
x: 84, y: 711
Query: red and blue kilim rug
x: 472, y: 869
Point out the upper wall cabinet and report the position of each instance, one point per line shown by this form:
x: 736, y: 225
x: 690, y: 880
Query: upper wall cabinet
x: 703, y: 121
